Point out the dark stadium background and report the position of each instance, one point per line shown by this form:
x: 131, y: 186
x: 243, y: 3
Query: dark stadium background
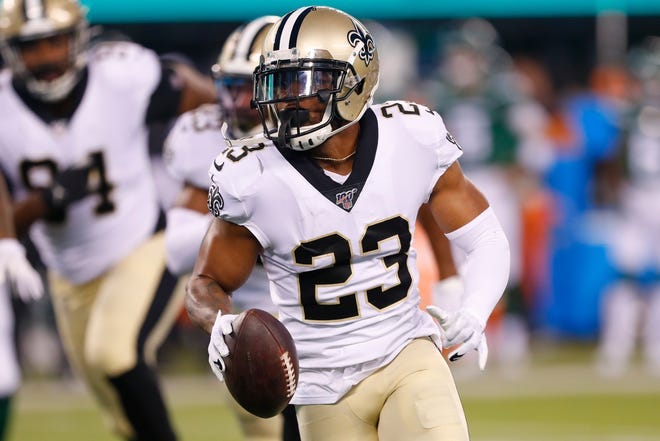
x: 565, y: 45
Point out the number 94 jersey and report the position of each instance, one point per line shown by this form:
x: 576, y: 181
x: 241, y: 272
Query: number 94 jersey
x: 339, y: 258
x: 107, y: 135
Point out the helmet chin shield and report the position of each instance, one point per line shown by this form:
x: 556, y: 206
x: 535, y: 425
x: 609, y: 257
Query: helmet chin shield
x: 293, y: 133
x: 53, y: 91
x: 234, y: 99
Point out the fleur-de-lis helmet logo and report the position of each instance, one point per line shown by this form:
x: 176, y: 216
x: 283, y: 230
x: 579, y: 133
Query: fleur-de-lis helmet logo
x: 368, y: 49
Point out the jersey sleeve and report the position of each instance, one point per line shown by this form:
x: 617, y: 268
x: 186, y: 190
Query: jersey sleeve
x: 235, y: 182
x: 192, y: 144
x: 131, y: 66
x: 425, y: 129
x: 447, y: 151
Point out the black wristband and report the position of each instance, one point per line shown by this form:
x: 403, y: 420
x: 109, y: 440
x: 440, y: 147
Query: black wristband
x: 55, y: 201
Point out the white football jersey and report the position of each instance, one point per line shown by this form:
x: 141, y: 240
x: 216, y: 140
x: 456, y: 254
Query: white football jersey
x: 192, y: 144
x: 107, y: 133
x: 636, y: 244
x: 640, y: 198
x: 643, y: 155
x: 339, y: 257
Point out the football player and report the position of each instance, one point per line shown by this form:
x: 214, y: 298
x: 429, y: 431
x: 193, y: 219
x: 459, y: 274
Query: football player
x: 192, y: 144
x: 18, y: 276
x: 331, y: 211
x: 73, y: 141
x: 631, y: 305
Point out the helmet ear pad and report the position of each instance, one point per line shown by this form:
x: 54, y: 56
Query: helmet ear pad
x: 344, y: 107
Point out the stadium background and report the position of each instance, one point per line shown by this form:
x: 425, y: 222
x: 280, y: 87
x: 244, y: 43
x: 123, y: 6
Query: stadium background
x: 568, y: 38
x: 557, y: 395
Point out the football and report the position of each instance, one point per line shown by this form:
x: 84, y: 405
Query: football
x: 261, y: 370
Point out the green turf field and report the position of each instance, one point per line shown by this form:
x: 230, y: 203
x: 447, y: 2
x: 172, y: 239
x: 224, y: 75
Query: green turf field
x: 556, y: 398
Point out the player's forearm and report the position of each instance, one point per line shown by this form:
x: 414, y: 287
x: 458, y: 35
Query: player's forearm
x: 28, y: 211
x: 487, y: 266
x: 6, y: 219
x: 197, y: 89
x: 439, y: 243
x: 204, y: 297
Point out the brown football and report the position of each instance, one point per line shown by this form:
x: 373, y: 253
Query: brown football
x: 261, y: 370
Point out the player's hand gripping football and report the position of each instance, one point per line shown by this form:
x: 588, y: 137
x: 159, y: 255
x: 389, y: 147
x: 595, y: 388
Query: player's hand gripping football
x: 217, y: 346
x: 461, y: 328
x: 15, y: 269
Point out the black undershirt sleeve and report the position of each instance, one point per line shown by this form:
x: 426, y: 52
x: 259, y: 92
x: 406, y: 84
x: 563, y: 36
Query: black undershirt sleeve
x: 164, y: 103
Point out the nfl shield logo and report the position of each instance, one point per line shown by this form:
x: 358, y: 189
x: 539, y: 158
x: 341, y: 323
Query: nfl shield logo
x: 345, y: 198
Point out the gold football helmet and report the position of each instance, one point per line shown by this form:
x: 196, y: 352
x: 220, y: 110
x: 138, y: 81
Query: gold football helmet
x: 24, y: 21
x: 233, y: 75
x: 316, y: 52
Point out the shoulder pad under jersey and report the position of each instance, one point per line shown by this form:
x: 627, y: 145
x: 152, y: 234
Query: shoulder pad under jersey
x: 125, y: 64
x: 235, y: 177
x: 192, y: 144
x: 419, y: 124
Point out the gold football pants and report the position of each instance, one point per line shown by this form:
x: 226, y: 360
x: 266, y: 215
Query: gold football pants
x: 414, y: 398
x: 110, y: 323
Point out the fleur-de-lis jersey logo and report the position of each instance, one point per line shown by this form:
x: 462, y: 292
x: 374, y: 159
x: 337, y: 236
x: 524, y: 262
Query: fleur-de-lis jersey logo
x: 357, y: 35
x: 214, y: 201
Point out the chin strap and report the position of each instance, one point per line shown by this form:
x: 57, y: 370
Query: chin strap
x: 287, y: 117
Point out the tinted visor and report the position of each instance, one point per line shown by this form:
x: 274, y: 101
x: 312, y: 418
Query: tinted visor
x: 296, y: 82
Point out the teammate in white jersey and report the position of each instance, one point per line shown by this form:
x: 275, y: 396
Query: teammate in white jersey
x: 192, y: 144
x: 18, y: 276
x: 73, y: 141
x: 631, y: 305
x: 331, y: 211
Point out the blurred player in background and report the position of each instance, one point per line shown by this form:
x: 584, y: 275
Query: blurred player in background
x: 631, y: 306
x: 17, y: 276
x: 192, y: 144
x: 501, y: 132
x: 331, y: 211
x: 73, y: 141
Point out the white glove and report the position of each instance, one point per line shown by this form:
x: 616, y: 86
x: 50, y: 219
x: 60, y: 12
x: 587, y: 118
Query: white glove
x: 15, y: 269
x: 217, y: 346
x: 461, y: 327
x: 448, y: 293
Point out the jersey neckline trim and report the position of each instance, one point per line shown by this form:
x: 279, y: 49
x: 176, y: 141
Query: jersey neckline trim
x: 343, y: 195
x: 48, y: 112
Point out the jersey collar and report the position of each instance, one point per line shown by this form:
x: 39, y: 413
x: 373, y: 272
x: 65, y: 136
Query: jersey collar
x: 343, y: 195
